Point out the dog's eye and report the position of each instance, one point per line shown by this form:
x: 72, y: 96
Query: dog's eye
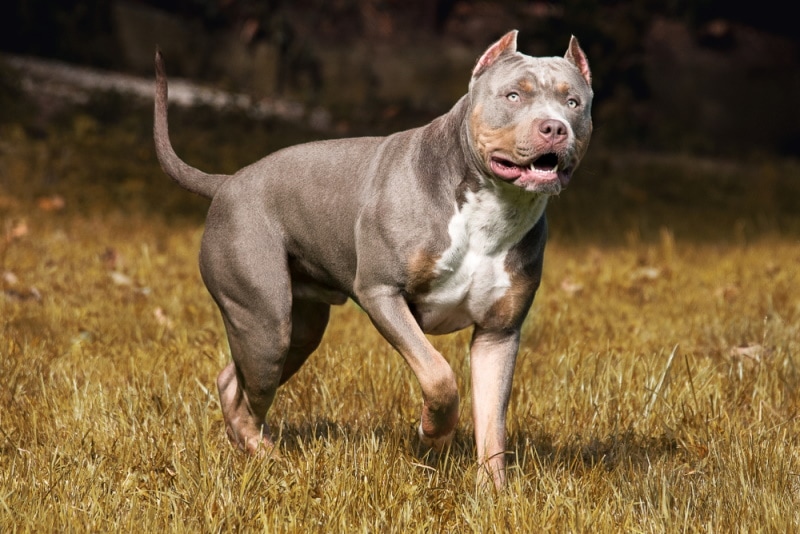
x: 572, y: 103
x: 513, y: 97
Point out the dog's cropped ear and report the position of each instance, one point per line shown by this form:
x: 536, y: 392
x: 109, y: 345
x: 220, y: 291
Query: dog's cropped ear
x: 576, y: 56
x: 506, y: 45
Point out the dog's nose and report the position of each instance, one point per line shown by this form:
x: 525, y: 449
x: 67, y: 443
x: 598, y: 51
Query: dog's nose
x: 553, y: 130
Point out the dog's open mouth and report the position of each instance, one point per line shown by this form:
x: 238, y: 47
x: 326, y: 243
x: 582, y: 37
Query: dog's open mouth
x: 546, y: 163
x: 546, y: 170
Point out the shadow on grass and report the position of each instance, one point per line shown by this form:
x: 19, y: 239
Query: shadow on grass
x: 628, y: 449
x: 294, y: 438
x: 527, y: 451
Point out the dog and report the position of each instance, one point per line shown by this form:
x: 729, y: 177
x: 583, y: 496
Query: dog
x: 429, y: 230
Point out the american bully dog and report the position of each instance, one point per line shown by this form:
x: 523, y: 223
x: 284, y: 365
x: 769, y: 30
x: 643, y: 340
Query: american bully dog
x: 429, y: 230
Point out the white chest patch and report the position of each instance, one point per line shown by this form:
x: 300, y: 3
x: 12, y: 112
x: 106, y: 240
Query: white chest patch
x: 471, y: 274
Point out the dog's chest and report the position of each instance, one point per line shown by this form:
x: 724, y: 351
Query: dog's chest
x: 471, y: 275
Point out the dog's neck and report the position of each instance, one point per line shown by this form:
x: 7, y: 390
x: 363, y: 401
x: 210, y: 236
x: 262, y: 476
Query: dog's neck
x: 497, y: 217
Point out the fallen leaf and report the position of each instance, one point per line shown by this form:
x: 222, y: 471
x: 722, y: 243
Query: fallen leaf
x: 701, y: 450
x: 51, y: 203
x: 10, y: 278
x: 773, y: 268
x: 121, y: 279
x: 16, y: 230
x: 571, y: 287
x: 645, y: 274
x: 727, y: 293
x: 753, y: 352
x: 23, y: 294
x: 162, y: 319
x: 749, y: 356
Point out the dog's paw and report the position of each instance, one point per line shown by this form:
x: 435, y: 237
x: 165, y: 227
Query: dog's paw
x: 438, y: 444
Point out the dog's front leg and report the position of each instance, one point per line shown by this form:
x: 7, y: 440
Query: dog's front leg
x: 391, y: 316
x: 492, y: 358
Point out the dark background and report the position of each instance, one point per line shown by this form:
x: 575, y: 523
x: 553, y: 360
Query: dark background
x: 709, y: 77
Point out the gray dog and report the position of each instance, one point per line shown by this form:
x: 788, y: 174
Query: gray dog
x: 430, y: 230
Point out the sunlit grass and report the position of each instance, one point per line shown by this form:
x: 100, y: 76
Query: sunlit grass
x: 656, y: 388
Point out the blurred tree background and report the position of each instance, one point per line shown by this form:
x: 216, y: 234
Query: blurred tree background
x: 705, y: 76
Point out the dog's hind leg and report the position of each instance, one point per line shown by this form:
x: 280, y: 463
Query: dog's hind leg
x: 309, y: 320
x: 248, y: 384
x: 252, y: 289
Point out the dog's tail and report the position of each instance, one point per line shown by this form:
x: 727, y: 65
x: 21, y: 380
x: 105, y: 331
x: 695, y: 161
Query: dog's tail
x: 187, y: 177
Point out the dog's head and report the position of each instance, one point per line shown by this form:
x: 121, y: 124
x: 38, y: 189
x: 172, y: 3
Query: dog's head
x: 530, y: 118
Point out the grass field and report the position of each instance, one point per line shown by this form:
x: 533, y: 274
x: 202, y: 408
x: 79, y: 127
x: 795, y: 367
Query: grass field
x: 657, y: 389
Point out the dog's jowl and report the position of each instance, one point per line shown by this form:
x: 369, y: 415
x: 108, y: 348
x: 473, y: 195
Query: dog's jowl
x: 429, y: 230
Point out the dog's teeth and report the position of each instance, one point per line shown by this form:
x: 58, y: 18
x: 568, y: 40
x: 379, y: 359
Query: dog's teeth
x: 533, y: 168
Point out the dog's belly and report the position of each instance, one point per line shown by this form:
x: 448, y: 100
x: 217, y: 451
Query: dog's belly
x: 462, y: 294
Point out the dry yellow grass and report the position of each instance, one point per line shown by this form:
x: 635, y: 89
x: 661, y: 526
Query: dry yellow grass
x: 657, y: 388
